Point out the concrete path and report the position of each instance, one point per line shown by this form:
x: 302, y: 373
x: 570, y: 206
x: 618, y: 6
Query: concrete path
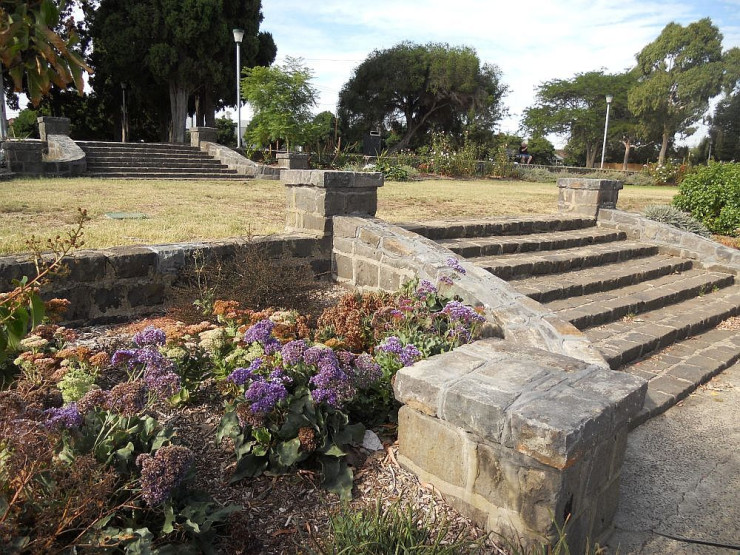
x: 680, y: 490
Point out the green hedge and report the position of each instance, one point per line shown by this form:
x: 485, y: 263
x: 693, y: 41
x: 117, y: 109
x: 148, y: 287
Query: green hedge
x: 711, y: 194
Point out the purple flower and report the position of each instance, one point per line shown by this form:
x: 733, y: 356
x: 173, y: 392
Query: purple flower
x: 279, y: 374
x: 425, y: 289
x: 331, y: 384
x: 365, y: 371
x: 164, y: 471
x: 162, y: 381
x: 313, y: 355
x: 458, y: 312
x: 265, y: 394
x: 122, y: 355
x: 240, y: 376
x: 64, y: 417
x: 292, y: 352
x: 409, y: 355
x: 454, y: 263
x: 446, y: 280
x: 260, y: 332
x: 150, y: 336
x: 127, y: 399
x: 345, y: 358
x: 460, y: 333
x: 271, y: 346
x: 391, y: 345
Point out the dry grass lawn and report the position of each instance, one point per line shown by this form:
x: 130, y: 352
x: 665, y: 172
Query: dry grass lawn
x: 203, y: 210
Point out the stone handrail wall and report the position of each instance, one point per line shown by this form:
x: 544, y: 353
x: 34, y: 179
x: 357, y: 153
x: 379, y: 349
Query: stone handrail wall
x: 234, y: 160
x: 55, y: 154
x: 370, y: 254
x: 709, y: 254
x: 121, y: 283
x: 64, y: 158
x: 519, y: 439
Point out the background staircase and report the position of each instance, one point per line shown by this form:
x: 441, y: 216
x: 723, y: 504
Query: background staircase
x: 152, y: 161
x: 647, y: 312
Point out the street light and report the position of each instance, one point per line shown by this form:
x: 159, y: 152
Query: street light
x: 238, y: 36
x: 124, y: 115
x: 609, y: 99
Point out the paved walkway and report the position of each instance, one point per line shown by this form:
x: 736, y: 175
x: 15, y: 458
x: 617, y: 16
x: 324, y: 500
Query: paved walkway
x: 680, y: 490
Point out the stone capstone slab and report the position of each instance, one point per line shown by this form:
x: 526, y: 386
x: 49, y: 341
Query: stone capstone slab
x: 331, y: 179
x: 547, y: 406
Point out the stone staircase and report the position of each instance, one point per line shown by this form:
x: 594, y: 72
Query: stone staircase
x: 152, y: 161
x: 647, y: 312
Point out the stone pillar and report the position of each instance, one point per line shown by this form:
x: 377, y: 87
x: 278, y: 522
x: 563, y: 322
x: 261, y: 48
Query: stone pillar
x: 292, y: 161
x: 199, y: 134
x: 315, y: 196
x: 53, y: 126
x: 584, y: 197
x: 520, y: 440
x: 25, y: 157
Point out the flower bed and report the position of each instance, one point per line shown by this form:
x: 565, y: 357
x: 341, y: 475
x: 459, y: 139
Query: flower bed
x: 103, y: 447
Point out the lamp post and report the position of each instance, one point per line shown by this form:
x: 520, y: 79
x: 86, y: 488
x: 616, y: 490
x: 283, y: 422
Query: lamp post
x: 124, y: 115
x: 609, y: 99
x: 238, y: 36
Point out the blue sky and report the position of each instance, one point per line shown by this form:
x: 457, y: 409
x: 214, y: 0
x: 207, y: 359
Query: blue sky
x: 531, y: 42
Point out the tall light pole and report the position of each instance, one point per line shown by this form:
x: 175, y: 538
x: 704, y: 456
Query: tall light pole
x: 609, y: 99
x: 124, y: 115
x: 238, y: 36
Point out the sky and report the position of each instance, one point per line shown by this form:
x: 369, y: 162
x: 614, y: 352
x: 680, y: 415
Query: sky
x: 531, y: 42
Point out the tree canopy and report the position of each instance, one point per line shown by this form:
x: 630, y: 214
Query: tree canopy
x: 180, y: 50
x: 282, y: 97
x: 412, y: 87
x: 677, y: 75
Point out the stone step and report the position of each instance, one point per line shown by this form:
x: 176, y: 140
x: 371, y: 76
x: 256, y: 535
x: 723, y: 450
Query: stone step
x: 532, y: 242
x: 607, y: 306
x: 528, y: 264
x: 516, y: 225
x: 679, y: 369
x: 149, y: 155
x: 159, y: 169
x: 625, y: 340
x: 198, y: 176
x: 209, y: 164
x: 601, y: 278
x: 125, y: 147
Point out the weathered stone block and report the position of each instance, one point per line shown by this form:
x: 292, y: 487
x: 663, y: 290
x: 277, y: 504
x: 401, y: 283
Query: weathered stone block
x: 587, y: 196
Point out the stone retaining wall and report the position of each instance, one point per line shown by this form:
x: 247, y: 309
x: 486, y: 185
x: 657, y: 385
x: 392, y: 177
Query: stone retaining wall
x: 369, y: 254
x: 710, y: 254
x: 519, y: 439
x: 121, y: 283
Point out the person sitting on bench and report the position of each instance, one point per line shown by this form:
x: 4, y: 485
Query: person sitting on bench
x: 524, y: 156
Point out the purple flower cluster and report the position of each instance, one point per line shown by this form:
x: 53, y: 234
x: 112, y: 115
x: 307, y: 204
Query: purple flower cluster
x: 454, y: 264
x: 365, y: 371
x: 265, y: 394
x: 447, y: 280
x: 261, y: 333
x: 425, y: 289
x: 407, y: 354
x: 159, y: 374
x: 292, y: 352
x: 240, y: 376
x: 331, y: 384
x: 164, y: 471
x: 458, y: 312
x: 127, y: 399
x: 64, y: 417
x: 150, y: 336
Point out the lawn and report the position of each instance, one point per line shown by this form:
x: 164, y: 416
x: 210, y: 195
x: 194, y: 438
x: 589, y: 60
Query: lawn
x: 202, y: 210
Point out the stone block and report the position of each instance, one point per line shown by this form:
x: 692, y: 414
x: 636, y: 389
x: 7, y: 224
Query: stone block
x: 53, y: 126
x: 433, y: 445
x: 587, y: 196
x: 342, y: 267
x: 366, y: 274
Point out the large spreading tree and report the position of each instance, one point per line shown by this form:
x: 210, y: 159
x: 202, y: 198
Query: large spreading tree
x: 678, y: 73
x: 412, y: 87
x: 179, y: 50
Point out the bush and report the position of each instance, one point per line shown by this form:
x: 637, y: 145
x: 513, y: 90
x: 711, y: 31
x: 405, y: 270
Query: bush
x: 667, y: 174
x: 671, y: 215
x: 711, y: 194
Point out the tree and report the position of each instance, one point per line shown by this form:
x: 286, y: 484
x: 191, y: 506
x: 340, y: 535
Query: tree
x: 411, y: 87
x: 281, y: 97
x: 34, y: 55
x: 180, y: 50
x: 575, y: 107
x: 677, y: 75
x: 724, y: 130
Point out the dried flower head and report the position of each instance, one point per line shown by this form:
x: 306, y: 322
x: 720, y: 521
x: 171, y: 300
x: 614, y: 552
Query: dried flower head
x: 164, y: 471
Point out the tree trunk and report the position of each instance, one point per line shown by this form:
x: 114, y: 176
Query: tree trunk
x: 627, y: 146
x: 209, y: 109
x: 590, y: 156
x: 178, y: 111
x: 663, y: 148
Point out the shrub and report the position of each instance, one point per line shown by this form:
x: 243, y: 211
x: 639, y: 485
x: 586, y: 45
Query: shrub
x: 667, y: 173
x: 377, y: 530
x: 671, y: 215
x: 711, y: 194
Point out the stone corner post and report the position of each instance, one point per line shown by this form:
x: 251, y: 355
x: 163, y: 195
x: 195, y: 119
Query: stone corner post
x: 53, y: 126
x: 315, y: 196
x: 584, y: 197
x: 200, y: 134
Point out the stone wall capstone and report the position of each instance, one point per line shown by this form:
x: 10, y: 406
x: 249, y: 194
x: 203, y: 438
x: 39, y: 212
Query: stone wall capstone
x: 586, y: 196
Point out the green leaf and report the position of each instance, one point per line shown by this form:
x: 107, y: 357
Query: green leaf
x: 334, y: 451
x: 288, y: 452
x: 248, y: 466
x: 37, y: 310
x: 169, y: 519
x: 337, y: 477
